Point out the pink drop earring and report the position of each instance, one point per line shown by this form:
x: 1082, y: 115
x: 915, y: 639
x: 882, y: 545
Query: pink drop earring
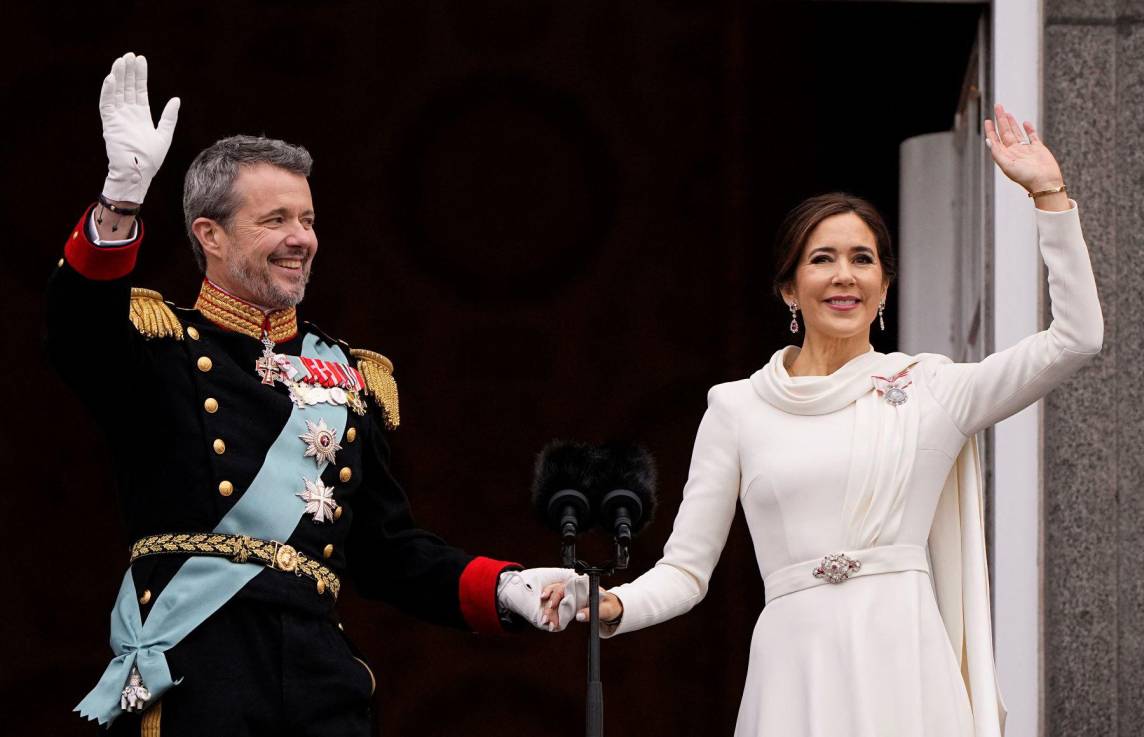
x: 794, y: 317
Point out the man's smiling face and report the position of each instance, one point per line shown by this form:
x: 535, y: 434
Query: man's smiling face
x: 269, y: 245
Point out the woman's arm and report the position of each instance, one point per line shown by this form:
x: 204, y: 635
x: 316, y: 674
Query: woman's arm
x: 978, y: 395
x: 679, y: 580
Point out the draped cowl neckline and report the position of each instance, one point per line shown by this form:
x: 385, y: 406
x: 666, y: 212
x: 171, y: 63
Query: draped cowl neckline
x: 820, y: 395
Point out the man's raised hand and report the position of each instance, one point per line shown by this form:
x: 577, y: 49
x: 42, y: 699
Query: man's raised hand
x: 135, y: 145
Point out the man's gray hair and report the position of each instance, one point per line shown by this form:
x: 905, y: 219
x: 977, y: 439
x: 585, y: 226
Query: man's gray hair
x: 208, y: 189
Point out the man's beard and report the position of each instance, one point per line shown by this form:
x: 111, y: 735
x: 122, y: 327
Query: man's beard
x: 256, y: 281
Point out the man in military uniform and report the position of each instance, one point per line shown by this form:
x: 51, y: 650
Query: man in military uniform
x: 251, y: 454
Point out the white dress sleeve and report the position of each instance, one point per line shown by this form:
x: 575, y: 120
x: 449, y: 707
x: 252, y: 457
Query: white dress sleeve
x: 978, y: 395
x: 679, y: 580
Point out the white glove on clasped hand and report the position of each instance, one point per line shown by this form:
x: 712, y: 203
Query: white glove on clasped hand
x: 519, y: 592
x: 135, y: 146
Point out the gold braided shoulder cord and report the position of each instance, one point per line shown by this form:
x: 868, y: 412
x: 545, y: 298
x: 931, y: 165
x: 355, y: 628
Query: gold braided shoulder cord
x: 377, y: 370
x: 152, y: 721
x: 153, y: 317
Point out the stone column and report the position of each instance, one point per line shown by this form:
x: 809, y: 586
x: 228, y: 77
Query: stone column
x: 1094, y: 426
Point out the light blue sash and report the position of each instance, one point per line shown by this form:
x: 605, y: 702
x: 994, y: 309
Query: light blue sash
x: 269, y: 510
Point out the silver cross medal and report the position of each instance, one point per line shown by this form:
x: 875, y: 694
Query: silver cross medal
x: 266, y: 366
x: 319, y: 500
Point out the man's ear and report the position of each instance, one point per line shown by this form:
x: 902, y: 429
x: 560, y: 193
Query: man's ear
x: 211, y: 237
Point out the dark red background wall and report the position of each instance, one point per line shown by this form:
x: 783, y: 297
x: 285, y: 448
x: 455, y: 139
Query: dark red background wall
x: 555, y: 217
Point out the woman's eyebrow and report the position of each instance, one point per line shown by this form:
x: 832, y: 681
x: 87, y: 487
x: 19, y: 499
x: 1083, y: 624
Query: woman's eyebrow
x: 832, y: 250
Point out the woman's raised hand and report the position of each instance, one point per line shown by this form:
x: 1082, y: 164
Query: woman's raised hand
x: 1026, y: 161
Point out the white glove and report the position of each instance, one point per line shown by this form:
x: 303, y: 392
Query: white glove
x: 135, y: 146
x: 519, y: 592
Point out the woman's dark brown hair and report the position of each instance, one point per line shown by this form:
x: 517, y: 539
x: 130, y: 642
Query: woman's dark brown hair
x: 799, y: 222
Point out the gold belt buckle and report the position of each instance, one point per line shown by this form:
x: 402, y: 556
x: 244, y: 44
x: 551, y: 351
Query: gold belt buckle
x: 284, y: 558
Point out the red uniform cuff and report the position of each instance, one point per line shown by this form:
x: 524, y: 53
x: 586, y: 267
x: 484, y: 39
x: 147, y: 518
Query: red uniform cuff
x: 478, y: 593
x: 96, y: 262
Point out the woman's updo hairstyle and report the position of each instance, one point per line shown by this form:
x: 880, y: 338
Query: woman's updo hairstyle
x: 799, y: 222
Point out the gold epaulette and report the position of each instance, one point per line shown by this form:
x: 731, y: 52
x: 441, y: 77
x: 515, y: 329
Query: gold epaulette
x: 377, y: 370
x: 153, y: 317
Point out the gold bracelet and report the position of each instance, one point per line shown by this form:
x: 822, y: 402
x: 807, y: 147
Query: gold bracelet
x: 1058, y: 190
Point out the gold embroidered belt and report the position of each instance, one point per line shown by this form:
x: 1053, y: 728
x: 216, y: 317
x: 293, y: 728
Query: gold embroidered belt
x: 241, y: 549
x: 840, y: 567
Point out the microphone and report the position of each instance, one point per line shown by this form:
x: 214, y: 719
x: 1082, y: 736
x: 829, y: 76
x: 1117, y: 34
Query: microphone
x: 626, y: 481
x: 562, y: 480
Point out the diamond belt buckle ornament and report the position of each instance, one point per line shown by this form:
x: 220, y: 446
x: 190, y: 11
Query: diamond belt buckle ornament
x: 286, y: 558
x: 135, y: 695
x: 837, y: 567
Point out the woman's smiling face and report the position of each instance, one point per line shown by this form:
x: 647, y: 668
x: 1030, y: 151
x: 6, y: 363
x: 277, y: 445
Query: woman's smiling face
x: 839, y: 282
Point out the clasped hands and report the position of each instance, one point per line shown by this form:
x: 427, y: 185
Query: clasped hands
x: 550, y: 598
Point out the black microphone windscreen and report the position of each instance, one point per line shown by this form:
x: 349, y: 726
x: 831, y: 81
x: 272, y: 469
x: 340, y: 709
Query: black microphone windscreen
x: 631, y: 467
x: 561, y: 465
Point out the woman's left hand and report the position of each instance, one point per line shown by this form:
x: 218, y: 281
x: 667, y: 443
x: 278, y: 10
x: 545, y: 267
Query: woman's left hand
x: 1028, y: 163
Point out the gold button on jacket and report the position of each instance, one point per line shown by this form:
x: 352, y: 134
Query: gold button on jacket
x: 211, y: 405
x: 345, y: 474
x: 204, y: 363
x: 193, y: 332
x: 225, y: 488
x: 145, y: 599
x: 219, y: 446
x: 327, y: 551
x: 351, y: 435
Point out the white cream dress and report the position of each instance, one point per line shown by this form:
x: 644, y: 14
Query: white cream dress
x: 876, y: 461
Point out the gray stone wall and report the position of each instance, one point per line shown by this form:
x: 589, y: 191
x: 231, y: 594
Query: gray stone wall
x: 1094, y: 427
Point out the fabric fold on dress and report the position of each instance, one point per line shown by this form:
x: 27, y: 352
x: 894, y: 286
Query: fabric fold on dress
x: 960, y: 573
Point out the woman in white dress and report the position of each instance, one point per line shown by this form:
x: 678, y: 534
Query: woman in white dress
x: 859, y: 479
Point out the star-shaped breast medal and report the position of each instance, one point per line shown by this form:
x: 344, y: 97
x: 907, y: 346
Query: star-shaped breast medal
x: 319, y: 500
x: 321, y: 442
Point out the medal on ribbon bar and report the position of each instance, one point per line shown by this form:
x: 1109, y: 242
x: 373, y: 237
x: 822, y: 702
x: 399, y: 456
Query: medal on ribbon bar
x: 312, y: 380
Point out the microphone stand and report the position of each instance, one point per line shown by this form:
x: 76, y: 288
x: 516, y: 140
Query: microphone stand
x: 595, y: 715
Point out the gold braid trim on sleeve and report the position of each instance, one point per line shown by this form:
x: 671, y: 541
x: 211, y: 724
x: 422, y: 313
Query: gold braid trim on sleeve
x: 153, y: 317
x: 377, y: 370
